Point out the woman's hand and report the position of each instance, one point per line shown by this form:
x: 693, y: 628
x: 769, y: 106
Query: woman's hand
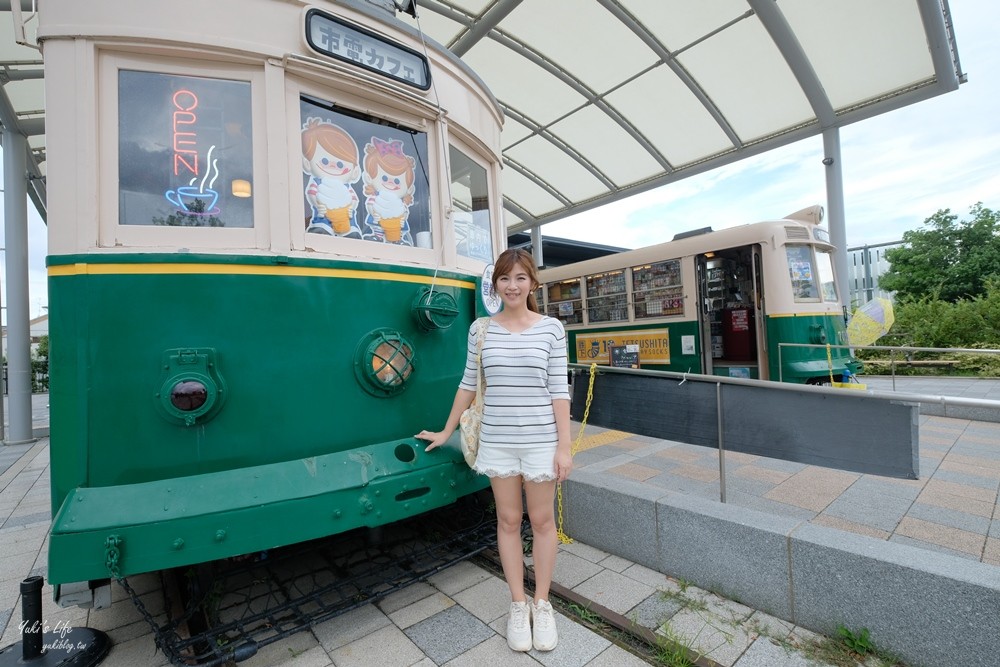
x: 563, y: 464
x: 434, y: 439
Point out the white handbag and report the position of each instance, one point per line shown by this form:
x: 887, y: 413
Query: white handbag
x: 471, y: 420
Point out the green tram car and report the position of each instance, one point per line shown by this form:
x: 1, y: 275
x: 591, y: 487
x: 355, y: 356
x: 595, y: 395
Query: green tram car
x: 269, y: 224
x: 717, y: 303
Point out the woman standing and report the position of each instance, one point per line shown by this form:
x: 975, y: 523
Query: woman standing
x: 524, y: 441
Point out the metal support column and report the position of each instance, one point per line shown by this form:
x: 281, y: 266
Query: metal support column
x: 835, y: 209
x: 15, y: 177
x: 536, y: 246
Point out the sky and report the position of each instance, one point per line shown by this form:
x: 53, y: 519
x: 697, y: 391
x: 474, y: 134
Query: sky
x: 898, y: 170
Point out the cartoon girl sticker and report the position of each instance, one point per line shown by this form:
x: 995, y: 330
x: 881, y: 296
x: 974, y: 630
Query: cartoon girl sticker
x: 330, y: 158
x: 388, y: 177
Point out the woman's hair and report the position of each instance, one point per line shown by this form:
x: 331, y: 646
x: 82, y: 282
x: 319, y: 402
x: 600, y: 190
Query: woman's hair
x: 505, y: 264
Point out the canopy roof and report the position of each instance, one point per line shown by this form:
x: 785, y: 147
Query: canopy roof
x: 608, y: 98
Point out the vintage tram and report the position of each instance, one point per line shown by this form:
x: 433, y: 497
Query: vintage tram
x: 268, y: 226
x: 712, y: 302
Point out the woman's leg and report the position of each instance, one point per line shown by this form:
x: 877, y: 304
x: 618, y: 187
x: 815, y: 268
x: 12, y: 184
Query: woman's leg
x: 507, y: 495
x: 540, y: 497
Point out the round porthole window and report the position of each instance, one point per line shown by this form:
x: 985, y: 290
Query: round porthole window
x: 383, y: 362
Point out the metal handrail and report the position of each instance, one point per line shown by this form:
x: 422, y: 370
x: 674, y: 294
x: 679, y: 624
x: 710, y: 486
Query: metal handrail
x: 719, y: 380
x: 891, y: 348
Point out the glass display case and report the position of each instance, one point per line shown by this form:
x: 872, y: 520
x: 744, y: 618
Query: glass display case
x: 565, y: 302
x: 606, y: 297
x: 657, y: 290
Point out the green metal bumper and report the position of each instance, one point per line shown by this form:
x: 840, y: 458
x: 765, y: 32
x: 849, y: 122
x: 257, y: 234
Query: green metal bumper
x: 186, y: 520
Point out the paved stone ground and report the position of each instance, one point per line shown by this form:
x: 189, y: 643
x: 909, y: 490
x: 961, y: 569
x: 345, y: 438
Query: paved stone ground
x: 457, y: 618
x: 952, y: 508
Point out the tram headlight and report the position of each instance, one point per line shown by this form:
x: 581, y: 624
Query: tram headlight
x: 191, y: 388
x: 188, y: 395
x: 383, y: 362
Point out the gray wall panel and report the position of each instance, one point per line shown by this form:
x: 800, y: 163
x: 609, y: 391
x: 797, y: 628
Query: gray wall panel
x: 852, y: 431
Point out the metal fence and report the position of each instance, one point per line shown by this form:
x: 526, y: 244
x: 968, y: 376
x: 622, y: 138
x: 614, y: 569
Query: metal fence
x: 905, y: 350
x: 39, y: 376
x: 865, y: 264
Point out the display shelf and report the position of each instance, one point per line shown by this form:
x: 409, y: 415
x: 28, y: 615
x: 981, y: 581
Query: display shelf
x: 660, y: 302
x: 607, y: 308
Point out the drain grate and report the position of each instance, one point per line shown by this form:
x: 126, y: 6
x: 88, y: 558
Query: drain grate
x: 230, y: 609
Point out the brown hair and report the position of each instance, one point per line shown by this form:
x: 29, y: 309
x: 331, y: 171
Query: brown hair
x: 506, y: 262
x: 332, y: 138
x: 393, y: 161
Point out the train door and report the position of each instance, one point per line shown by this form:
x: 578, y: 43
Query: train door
x: 704, y: 313
x: 729, y: 292
x: 759, y: 309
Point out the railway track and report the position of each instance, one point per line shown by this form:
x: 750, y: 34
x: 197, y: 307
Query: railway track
x: 224, y: 612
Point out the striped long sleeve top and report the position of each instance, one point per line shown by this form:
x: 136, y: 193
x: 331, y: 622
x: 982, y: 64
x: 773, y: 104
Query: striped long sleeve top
x: 524, y: 372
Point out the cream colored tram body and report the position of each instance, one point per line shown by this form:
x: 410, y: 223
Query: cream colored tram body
x: 713, y: 302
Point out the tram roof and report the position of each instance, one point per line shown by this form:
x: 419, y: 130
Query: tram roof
x: 605, y: 99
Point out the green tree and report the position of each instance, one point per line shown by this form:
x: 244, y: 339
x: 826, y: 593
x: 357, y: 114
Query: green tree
x: 950, y: 259
x: 43, y: 347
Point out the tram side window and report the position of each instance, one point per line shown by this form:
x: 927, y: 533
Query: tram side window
x: 470, y: 197
x: 824, y: 265
x: 657, y: 290
x: 363, y: 178
x: 802, y: 273
x: 606, y: 299
x: 185, y: 151
x: 565, y: 303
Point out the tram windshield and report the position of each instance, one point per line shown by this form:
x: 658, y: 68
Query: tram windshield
x: 811, y: 276
x: 471, y: 201
x: 185, y: 151
x: 824, y: 265
x: 363, y: 177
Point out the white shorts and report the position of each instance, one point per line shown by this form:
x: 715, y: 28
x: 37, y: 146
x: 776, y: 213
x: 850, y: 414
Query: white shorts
x: 534, y: 464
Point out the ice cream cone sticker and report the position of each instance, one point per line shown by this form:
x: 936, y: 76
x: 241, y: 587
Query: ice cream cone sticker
x: 330, y: 159
x: 388, y: 176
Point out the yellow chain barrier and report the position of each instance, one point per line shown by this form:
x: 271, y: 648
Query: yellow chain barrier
x: 563, y: 537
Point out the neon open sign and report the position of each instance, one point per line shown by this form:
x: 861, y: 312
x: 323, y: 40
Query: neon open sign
x: 197, y: 197
x: 333, y: 37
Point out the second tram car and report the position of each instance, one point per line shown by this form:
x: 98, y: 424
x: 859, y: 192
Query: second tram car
x: 268, y: 226
x: 709, y: 302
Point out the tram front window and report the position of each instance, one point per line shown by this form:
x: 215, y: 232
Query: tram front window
x: 802, y: 273
x: 471, y: 200
x: 824, y: 264
x: 363, y: 178
x: 185, y: 151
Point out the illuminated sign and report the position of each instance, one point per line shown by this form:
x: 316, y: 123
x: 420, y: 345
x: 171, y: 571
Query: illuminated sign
x: 653, y: 345
x: 334, y: 37
x: 185, y: 151
x: 198, y: 197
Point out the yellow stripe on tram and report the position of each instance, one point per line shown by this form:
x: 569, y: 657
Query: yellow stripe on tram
x: 249, y: 270
x: 804, y: 315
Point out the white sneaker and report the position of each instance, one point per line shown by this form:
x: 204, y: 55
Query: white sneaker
x: 519, y: 626
x: 545, y: 637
